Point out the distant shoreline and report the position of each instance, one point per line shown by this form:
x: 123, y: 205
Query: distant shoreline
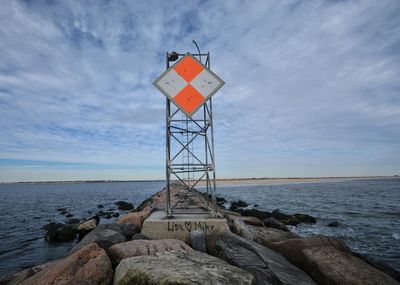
x: 231, y: 181
x: 294, y: 180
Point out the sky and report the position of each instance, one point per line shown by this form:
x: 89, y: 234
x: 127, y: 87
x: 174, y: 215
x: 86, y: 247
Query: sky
x: 312, y: 87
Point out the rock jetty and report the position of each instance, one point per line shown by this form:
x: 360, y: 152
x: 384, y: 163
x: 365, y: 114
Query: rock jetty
x: 257, y: 248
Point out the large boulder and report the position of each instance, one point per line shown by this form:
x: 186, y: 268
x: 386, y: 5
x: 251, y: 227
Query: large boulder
x: 179, y: 267
x: 136, y: 218
x: 133, y: 248
x: 274, y: 223
x: 329, y: 261
x: 104, y: 235
x: 266, y: 265
x: 90, y: 265
x: 292, y: 249
x: 330, y: 266
x: 260, y: 235
x: 266, y: 236
x: 197, y: 239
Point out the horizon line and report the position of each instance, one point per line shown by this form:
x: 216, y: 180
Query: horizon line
x: 217, y: 179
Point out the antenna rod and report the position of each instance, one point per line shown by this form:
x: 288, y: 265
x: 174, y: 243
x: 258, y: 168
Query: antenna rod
x: 198, y: 49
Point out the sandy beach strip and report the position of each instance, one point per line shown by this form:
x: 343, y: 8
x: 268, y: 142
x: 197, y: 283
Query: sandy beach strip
x: 294, y: 180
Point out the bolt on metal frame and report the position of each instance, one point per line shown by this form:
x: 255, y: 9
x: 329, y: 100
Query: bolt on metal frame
x: 195, y: 129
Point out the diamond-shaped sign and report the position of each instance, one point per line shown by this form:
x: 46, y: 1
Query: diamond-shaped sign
x: 189, y: 84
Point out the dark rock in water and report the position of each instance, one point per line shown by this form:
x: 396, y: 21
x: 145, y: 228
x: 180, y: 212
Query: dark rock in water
x: 108, y: 215
x: 122, y: 205
x: 256, y: 206
x: 385, y: 268
x: 303, y: 218
x: 238, y: 204
x: 197, y: 240
x: 69, y: 215
x: 64, y: 212
x: 72, y: 221
x: 105, y: 214
x: 104, y: 235
x: 115, y: 215
x: 292, y: 220
x: 128, y: 230
x: 139, y: 236
x: 221, y: 200
x: 335, y: 225
x: 100, y: 206
x: 57, y: 232
x: 277, y: 214
x: 262, y: 215
x: 267, y: 266
x: 274, y: 223
x: 61, y: 209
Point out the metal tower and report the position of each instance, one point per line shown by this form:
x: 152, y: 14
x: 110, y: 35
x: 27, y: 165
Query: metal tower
x: 190, y: 156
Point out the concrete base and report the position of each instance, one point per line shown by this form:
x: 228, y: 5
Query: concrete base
x: 158, y: 227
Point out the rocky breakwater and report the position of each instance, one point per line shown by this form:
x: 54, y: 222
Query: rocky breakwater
x: 257, y: 249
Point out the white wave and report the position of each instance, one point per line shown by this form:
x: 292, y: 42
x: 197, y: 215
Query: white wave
x: 396, y: 236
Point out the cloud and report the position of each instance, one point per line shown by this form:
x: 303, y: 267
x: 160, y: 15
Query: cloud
x: 311, y: 86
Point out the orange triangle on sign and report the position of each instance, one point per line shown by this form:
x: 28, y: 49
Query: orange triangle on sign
x: 189, y: 99
x: 188, y: 68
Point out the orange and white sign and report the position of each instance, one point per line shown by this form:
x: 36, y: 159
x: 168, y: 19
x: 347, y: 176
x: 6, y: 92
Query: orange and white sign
x: 188, y: 84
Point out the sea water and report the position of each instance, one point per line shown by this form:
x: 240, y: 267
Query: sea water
x: 368, y: 212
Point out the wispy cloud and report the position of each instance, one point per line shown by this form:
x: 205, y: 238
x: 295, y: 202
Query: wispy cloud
x: 311, y: 86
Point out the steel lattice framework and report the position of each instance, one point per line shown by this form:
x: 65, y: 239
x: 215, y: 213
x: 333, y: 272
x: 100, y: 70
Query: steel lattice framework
x: 190, y: 152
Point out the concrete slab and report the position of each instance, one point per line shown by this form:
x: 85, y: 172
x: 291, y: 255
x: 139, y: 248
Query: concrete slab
x: 158, y: 227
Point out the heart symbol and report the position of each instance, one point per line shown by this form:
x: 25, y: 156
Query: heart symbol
x: 188, y: 226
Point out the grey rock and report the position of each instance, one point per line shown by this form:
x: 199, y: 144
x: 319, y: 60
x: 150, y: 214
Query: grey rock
x: 139, y: 236
x: 128, y: 230
x: 175, y: 267
x: 292, y: 220
x: 274, y: 223
x: 133, y: 248
x: 266, y: 265
x: 330, y: 261
x: 198, y: 240
x: 238, y: 204
x: 261, y: 235
x: 104, y: 235
x: 262, y: 215
x: 335, y: 225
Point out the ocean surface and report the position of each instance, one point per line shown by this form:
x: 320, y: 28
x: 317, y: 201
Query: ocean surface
x: 368, y: 211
